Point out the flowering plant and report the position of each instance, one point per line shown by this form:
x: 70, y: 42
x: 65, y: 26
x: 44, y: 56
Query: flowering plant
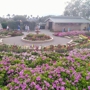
x: 71, y: 33
x: 48, y: 71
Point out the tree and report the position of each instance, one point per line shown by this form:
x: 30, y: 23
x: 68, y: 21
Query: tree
x: 37, y: 17
x: 4, y: 25
x: 31, y: 16
x: 8, y: 15
x: 78, y: 8
x: 25, y: 16
x: 13, y: 15
x: 19, y: 17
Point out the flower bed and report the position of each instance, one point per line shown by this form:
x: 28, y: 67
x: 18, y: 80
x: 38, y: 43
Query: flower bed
x: 8, y: 33
x: 71, y: 33
x: 52, y: 71
x: 79, y: 43
x: 37, y: 38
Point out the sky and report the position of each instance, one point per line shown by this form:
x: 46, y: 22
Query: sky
x: 32, y: 7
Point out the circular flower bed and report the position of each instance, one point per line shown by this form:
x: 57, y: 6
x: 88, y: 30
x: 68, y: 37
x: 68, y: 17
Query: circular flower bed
x: 37, y: 38
x: 10, y: 33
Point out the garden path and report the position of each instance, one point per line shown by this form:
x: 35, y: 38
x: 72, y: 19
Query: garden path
x: 17, y: 40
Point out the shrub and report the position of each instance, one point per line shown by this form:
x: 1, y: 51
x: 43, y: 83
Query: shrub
x: 4, y: 25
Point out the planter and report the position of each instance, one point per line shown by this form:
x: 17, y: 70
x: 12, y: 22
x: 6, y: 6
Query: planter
x: 10, y: 33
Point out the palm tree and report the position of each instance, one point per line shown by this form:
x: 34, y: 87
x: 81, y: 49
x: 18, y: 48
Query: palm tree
x: 8, y: 15
x: 31, y: 16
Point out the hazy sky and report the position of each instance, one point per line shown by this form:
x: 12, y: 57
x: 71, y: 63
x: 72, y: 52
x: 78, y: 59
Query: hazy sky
x: 32, y: 7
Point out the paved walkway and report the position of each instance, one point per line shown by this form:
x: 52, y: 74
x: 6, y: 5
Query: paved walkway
x: 17, y: 40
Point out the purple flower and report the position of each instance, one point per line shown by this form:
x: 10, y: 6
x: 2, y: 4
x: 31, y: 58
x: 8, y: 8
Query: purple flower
x: 50, y: 76
x: 47, y: 84
x: 54, y: 85
x: 73, y: 83
x: 63, y: 83
x: 17, y: 87
x: 58, y: 88
x: 38, y: 78
x: 84, y: 89
x: 23, y: 86
x: 62, y: 88
x: 60, y: 79
x: 88, y: 87
x: 56, y: 81
x: 21, y: 73
x: 87, y: 77
x: 32, y: 83
x: 40, y: 89
x: 37, y: 86
x: 88, y: 73
x: 16, y: 81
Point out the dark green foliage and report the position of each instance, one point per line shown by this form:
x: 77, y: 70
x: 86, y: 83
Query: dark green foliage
x: 4, y: 25
x: 13, y: 24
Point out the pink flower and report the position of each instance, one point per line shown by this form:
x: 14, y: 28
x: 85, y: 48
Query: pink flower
x: 60, y: 79
x: 47, y: 84
x: 32, y: 83
x: 17, y: 87
x: 38, y: 78
x: 76, y: 81
x: 88, y: 87
x: 37, y: 86
x: 50, y: 76
x: 54, y: 85
x: 16, y: 81
x: 40, y: 89
x: 21, y: 73
x: 56, y: 82
x: 62, y: 88
x: 63, y: 83
x: 88, y: 73
x: 84, y: 89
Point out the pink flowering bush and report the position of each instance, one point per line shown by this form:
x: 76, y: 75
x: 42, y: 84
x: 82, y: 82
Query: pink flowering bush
x: 71, y: 33
x: 45, y: 71
x: 11, y: 33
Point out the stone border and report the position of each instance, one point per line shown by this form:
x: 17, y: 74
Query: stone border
x: 36, y: 41
x: 5, y: 36
x: 67, y: 37
x: 70, y: 41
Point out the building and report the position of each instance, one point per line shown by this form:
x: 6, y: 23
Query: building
x: 59, y: 23
x: 42, y: 25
